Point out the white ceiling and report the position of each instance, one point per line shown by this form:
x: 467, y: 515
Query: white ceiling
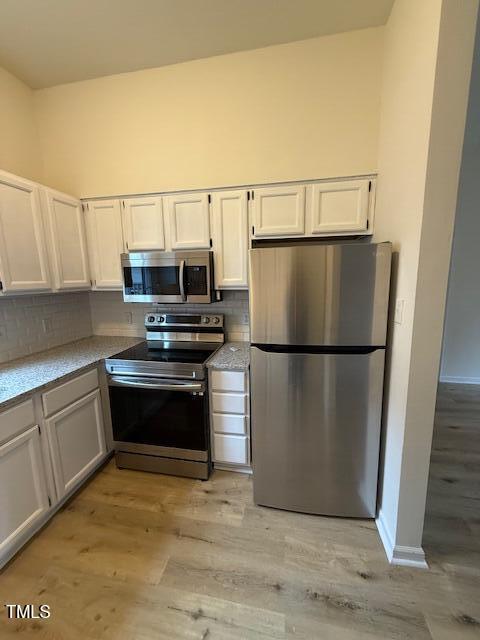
x: 49, y: 42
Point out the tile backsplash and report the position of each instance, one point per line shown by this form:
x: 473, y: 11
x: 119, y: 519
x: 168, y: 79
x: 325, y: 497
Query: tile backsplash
x: 29, y: 324
x: 112, y: 316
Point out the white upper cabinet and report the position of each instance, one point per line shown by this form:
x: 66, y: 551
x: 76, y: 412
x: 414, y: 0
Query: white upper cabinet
x: 188, y: 221
x: 23, y: 253
x: 105, y: 236
x: 68, y: 245
x: 278, y: 211
x: 339, y: 207
x: 230, y: 238
x: 143, y: 224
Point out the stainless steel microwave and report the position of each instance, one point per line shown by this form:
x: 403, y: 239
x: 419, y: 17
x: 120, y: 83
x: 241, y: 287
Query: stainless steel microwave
x: 179, y: 277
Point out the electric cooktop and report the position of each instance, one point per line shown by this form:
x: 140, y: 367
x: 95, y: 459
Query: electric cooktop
x: 146, y: 352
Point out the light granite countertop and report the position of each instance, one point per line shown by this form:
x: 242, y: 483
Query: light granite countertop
x: 24, y: 376
x: 233, y: 356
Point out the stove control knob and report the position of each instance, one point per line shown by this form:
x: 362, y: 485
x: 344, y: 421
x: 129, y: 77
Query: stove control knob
x: 161, y: 319
x: 216, y: 320
x: 151, y: 319
x: 205, y: 320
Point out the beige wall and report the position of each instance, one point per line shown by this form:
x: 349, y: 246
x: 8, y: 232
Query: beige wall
x: 19, y: 142
x: 294, y: 111
x: 426, y: 72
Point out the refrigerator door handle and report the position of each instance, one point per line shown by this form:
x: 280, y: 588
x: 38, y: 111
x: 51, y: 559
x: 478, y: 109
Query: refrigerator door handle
x: 316, y: 349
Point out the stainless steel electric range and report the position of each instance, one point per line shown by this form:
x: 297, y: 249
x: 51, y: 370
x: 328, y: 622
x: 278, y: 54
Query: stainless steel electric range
x: 159, y: 398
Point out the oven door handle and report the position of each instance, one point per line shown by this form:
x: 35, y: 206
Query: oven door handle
x: 181, y: 278
x: 189, y: 387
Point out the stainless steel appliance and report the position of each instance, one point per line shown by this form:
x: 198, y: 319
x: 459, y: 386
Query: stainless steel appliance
x: 318, y: 329
x: 157, y: 276
x: 158, y: 395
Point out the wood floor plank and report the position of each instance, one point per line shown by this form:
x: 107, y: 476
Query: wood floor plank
x: 138, y: 556
x: 284, y: 589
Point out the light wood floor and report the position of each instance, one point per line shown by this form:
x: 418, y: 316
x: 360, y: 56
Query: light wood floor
x: 452, y: 520
x: 144, y: 557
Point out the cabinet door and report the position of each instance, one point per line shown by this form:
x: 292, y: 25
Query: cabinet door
x: 105, y: 236
x: 279, y: 211
x: 23, y: 490
x: 77, y: 441
x: 339, y: 207
x: 188, y: 221
x: 23, y: 254
x: 68, y: 241
x: 143, y: 224
x: 230, y: 239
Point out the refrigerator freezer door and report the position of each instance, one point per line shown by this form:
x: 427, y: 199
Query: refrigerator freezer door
x: 334, y: 294
x: 316, y: 431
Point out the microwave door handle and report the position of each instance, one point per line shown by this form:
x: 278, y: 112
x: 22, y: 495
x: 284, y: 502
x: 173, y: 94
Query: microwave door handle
x: 162, y: 386
x: 181, y: 277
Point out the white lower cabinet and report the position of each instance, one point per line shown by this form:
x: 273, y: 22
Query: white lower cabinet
x: 77, y: 441
x: 229, y: 402
x: 230, y: 449
x: 23, y: 489
x: 225, y: 423
x: 41, y: 465
x: 230, y: 420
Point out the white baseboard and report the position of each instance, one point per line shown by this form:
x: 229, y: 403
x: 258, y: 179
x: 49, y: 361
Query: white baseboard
x: 397, y: 554
x: 459, y: 380
x: 385, y: 535
x: 237, y: 468
x: 409, y: 557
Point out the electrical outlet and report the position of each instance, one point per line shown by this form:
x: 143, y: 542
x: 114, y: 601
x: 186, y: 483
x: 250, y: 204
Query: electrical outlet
x: 399, y: 309
x: 128, y: 317
x: 47, y: 325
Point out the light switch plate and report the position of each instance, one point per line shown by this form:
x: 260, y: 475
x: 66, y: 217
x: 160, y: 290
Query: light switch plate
x: 399, y: 307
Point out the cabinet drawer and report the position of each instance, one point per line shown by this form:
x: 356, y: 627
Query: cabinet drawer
x: 226, y: 423
x: 68, y: 392
x: 16, y: 419
x: 231, y: 449
x: 229, y: 403
x: 228, y: 381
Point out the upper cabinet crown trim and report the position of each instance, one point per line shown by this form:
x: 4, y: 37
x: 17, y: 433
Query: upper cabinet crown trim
x: 231, y: 187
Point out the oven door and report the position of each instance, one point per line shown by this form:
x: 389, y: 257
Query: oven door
x: 183, y: 277
x: 159, y: 417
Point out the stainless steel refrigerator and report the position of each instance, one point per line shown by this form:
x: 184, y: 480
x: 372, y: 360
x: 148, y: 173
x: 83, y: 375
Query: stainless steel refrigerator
x: 318, y: 318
